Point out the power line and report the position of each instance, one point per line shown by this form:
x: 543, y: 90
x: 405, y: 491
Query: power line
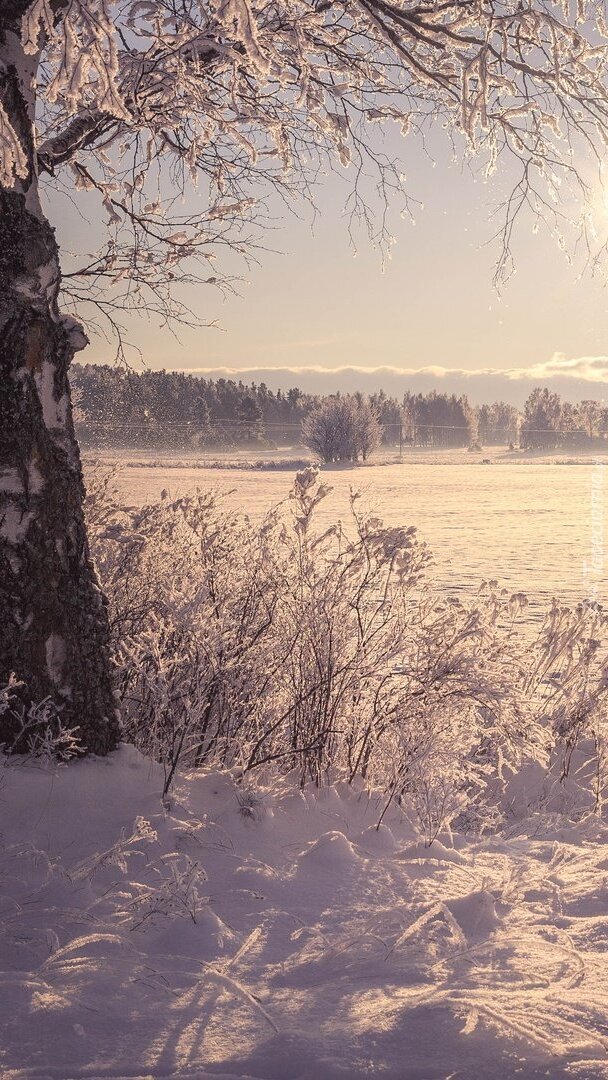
x: 188, y: 425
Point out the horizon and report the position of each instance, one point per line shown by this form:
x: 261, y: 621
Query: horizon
x: 321, y: 300
x: 512, y: 386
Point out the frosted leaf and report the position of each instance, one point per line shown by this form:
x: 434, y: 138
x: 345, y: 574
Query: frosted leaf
x: 344, y: 154
x: 13, y: 160
x: 238, y: 16
x: 113, y: 215
x: 231, y: 209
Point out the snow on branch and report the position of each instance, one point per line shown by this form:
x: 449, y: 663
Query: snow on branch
x: 246, y: 98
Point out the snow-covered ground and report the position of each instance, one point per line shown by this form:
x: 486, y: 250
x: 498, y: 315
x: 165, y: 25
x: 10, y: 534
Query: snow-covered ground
x: 260, y: 458
x: 276, y: 934
x: 532, y: 524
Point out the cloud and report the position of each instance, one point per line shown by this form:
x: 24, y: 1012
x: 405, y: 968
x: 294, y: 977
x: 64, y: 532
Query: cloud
x: 590, y: 368
x: 573, y: 378
x: 320, y: 369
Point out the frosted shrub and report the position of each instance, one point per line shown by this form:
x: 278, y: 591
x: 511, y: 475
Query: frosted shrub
x: 194, y: 626
x: 452, y: 724
x: 175, y: 893
x: 288, y: 647
x: 342, y: 428
x: 37, y: 728
x: 568, y: 682
x: 161, y: 682
x: 336, y: 619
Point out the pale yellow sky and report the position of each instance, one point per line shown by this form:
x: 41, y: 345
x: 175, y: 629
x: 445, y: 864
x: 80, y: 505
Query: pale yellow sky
x: 315, y: 304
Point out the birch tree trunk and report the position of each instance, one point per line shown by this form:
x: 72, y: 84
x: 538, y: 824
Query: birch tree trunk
x: 53, y: 622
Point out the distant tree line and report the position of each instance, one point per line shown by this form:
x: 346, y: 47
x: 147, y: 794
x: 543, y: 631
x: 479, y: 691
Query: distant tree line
x: 167, y: 408
x: 549, y: 423
x: 439, y: 420
x: 180, y: 411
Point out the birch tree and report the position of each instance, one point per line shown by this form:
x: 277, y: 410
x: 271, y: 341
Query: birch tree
x: 133, y: 101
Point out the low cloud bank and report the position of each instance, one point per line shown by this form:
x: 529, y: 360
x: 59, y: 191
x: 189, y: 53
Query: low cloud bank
x: 573, y: 378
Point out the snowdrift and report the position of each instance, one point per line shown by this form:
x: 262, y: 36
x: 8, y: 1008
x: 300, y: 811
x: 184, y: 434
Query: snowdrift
x: 277, y: 934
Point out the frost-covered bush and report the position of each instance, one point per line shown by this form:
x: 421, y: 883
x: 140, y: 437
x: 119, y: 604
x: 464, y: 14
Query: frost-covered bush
x: 342, y: 428
x: 328, y: 652
x: 568, y: 679
x: 37, y: 728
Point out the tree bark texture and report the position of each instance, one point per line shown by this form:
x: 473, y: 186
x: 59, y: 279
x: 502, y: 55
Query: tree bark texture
x: 54, y: 632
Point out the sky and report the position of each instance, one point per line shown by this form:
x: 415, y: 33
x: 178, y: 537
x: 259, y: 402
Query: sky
x: 319, y: 314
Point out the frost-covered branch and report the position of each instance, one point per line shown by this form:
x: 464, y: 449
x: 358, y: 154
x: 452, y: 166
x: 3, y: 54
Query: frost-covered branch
x: 139, y: 100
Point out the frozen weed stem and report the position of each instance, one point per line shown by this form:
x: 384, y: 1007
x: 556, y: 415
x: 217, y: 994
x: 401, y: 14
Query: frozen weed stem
x: 329, y: 652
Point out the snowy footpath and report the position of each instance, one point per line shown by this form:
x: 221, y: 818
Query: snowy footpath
x: 278, y: 935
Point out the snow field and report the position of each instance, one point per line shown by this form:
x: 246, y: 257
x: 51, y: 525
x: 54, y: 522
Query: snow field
x: 274, y: 933
x: 528, y: 523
